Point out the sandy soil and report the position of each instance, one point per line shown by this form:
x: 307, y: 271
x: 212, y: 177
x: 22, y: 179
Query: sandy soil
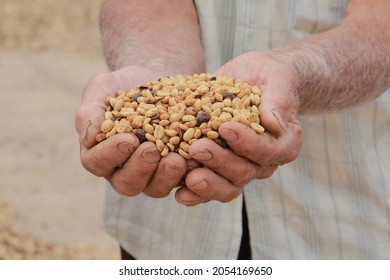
x: 50, y: 207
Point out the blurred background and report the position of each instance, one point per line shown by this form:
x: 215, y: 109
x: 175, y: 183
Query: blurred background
x: 50, y: 207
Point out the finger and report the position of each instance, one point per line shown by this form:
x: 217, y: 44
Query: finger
x: 102, y: 159
x: 167, y: 176
x: 135, y: 174
x: 187, y: 197
x: 263, y: 149
x: 237, y: 169
x: 90, y: 113
x: 191, y: 165
x: 210, y: 186
x: 87, y: 123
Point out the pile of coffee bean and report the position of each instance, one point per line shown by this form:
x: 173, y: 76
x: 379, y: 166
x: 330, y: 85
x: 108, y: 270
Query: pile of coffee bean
x: 174, y: 112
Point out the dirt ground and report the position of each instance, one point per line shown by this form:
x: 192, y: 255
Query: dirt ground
x: 50, y: 207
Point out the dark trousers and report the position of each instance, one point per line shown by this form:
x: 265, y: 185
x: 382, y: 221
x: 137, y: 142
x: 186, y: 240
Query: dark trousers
x: 245, y: 249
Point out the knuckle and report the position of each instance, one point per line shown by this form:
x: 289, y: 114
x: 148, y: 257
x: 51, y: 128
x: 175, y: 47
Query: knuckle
x: 156, y: 193
x: 231, y: 195
x: 245, y: 149
x: 92, y: 165
x: 245, y: 176
x: 275, y: 155
x: 219, y: 165
x: 267, y: 171
x: 157, y: 189
x: 292, y: 155
x: 125, y: 188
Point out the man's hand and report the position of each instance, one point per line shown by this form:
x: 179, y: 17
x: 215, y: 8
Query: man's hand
x: 251, y: 156
x: 131, y: 168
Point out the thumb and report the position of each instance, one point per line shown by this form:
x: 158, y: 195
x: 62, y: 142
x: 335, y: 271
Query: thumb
x: 87, y: 124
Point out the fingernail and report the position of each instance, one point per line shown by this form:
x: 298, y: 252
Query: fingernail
x: 203, y: 156
x: 192, y: 164
x: 172, y: 170
x: 84, y: 137
x: 200, y: 185
x: 278, y: 118
x: 229, y: 135
x: 185, y: 202
x: 126, y: 148
x: 151, y: 155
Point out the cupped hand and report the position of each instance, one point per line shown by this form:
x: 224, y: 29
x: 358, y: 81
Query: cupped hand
x: 129, y: 166
x: 251, y: 156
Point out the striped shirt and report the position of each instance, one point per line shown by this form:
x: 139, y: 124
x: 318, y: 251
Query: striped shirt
x: 332, y: 202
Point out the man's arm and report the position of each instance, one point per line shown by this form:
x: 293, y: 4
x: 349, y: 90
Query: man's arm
x: 163, y: 36
x: 347, y: 65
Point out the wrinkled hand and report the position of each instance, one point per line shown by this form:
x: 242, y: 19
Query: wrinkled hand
x: 251, y: 156
x: 131, y: 168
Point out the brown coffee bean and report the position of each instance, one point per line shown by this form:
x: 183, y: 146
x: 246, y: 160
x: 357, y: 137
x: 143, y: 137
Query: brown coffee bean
x: 202, y: 117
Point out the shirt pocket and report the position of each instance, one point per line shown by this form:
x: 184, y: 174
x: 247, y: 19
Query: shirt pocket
x: 310, y: 17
